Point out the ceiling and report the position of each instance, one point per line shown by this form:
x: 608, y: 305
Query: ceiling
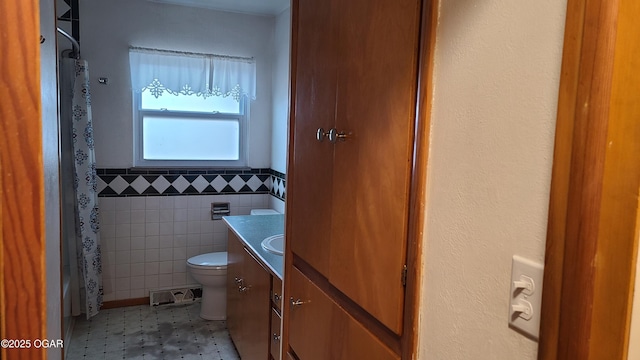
x: 260, y: 7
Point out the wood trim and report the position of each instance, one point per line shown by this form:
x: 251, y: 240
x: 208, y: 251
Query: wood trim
x: 429, y: 22
x: 592, y: 216
x: 288, y: 255
x: 22, y: 183
x: 125, y: 303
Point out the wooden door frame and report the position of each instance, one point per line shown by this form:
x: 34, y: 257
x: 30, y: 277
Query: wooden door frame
x: 22, y: 225
x: 592, y: 237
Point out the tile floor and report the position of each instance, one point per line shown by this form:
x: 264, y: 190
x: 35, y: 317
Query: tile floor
x: 158, y: 333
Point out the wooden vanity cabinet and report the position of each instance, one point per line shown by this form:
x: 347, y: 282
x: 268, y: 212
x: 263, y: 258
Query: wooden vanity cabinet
x: 248, y: 301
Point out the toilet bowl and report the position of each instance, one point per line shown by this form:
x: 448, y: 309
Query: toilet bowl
x: 210, y: 270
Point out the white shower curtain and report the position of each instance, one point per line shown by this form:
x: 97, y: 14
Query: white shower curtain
x: 80, y: 190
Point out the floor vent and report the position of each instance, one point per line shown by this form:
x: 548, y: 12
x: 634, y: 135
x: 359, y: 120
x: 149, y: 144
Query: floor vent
x: 174, y: 296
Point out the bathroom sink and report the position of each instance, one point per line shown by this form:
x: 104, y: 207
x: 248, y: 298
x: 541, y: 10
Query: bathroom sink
x: 274, y: 244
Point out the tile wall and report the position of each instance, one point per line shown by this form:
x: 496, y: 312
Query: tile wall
x: 146, y: 240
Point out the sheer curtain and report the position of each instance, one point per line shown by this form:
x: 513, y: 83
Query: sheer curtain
x: 161, y: 71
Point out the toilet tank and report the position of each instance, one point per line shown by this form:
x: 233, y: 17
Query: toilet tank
x: 263, y: 212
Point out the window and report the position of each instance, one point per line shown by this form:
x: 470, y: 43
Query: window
x: 190, y: 109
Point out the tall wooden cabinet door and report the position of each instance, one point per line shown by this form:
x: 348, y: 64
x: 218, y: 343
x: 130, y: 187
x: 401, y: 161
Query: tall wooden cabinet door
x: 309, y: 188
x: 377, y: 83
x: 310, y: 328
x: 235, y: 264
x: 257, y: 310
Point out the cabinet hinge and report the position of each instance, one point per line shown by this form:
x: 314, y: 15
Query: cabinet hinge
x: 404, y: 275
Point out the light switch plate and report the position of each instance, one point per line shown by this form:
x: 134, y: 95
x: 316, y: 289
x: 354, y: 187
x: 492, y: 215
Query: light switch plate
x: 524, y: 271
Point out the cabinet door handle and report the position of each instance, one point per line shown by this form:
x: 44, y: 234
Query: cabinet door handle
x: 276, y: 337
x: 238, y: 281
x: 334, y: 135
x: 297, y: 302
x: 243, y: 289
x: 276, y: 297
x: 320, y: 134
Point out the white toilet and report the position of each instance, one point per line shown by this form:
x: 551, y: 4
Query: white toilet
x: 210, y: 270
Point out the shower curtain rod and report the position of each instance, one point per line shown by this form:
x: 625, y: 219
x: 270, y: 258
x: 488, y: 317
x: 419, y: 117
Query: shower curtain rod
x: 74, y: 42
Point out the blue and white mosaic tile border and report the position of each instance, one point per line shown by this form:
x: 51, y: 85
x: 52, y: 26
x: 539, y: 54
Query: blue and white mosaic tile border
x: 164, y: 182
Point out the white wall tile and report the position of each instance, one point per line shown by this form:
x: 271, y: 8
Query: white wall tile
x: 123, y: 257
x: 107, y: 217
x: 152, y: 255
x: 166, y: 202
x: 194, y: 202
x: 180, y: 228
x: 179, y: 266
x: 209, y: 248
x: 193, y: 227
x: 138, y: 229
x: 123, y: 217
x: 165, y: 267
x: 193, y: 251
x: 107, y: 203
x: 152, y: 228
x: 137, y: 243
x: 180, y: 214
x: 166, y: 254
x: 180, y: 241
x: 107, y: 231
x: 151, y: 282
x: 138, y: 216
x: 138, y: 293
x: 165, y: 281
x: 207, y: 226
x: 152, y: 242
x: 179, y: 279
x: 181, y: 202
x: 123, y: 243
x: 245, y: 200
x: 138, y: 203
x: 166, y: 215
x: 193, y: 239
x: 123, y: 284
x: 123, y: 270
x: 180, y: 253
x: 123, y: 203
x: 123, y: 230
x: 137, y: 282
x: 166, y: 228
x: 166, y: 241
x: 153, y: 202
x: 137, y: 269
x: 194, y: 214
x: 151, y: 268
x: 152, y: 216
x: 122, y: 295
x: 138, y: 256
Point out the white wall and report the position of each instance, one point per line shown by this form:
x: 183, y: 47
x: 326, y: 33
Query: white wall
x: 497, y: 70
x: 108, y: 28
x: 280, y: 93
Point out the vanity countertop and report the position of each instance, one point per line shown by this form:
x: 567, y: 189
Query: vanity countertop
x: 252, y: 229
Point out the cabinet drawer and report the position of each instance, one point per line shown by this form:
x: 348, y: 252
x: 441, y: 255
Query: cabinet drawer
x: 320, y: 329
x: 275, y: 346
x: 276, y: 293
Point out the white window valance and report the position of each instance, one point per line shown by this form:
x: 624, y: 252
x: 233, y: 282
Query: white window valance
x: 161, y: 71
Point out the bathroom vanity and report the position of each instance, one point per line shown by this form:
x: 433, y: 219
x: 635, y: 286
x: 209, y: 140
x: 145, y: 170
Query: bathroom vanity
x: 254, y: 286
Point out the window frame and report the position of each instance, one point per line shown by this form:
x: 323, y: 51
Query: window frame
x: 138, y: 135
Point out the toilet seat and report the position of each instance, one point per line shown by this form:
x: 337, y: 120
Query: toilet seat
x: 214, y: 260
